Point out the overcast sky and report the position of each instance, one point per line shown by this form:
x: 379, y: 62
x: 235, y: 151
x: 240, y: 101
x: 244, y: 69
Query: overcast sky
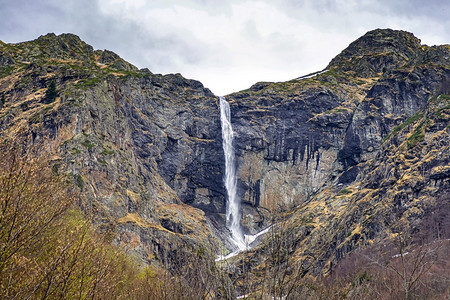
x: 226, y: 44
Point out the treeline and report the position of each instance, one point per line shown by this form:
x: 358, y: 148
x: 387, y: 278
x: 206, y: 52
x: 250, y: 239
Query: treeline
x: 410, y: 264
x: 47, y: 249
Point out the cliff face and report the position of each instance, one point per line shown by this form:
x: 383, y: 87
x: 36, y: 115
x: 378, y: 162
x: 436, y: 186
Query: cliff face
x: 138, y: 145
x: 347, y: 153
x: 353, y: 153
x: 300, y: 136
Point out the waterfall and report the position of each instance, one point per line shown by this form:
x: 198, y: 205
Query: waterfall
x: 233, y: 213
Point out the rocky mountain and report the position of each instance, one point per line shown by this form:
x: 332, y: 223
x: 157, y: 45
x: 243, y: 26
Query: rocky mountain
x: 345, y: 156
x: 138, y: 145
x: 353, y: 154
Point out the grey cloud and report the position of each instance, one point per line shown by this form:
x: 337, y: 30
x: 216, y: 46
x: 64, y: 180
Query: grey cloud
x: 437, y: 9
x: 129, y: 39
x: 250, y: 31
x: 423, y: 18
x: 24, y: 20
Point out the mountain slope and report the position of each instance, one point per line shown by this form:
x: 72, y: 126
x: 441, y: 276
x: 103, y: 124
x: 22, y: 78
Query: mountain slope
x: 352, y: 155
x: 138, y: 145
x: 347, y: 157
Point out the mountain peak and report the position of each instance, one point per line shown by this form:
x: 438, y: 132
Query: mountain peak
x: 63, y: 47
x: 67, y: 37
x: 377, y: 51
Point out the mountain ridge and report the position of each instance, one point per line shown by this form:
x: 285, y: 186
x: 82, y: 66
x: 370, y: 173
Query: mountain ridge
x: 337, y: 154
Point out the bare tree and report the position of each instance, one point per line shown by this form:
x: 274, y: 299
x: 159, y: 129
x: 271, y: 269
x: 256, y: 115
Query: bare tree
x: 47, y: 248
x: 30, y: 203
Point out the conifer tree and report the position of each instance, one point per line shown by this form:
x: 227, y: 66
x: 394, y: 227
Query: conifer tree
x: 51, y: 93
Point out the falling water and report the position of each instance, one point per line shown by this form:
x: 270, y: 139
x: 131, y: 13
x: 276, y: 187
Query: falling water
x: 233, y: 203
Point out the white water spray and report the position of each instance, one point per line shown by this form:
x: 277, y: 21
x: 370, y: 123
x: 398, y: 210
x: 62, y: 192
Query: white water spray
x: 233, y: 213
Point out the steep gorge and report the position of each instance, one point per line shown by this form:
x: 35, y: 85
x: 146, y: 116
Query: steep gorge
x: 346, y: 155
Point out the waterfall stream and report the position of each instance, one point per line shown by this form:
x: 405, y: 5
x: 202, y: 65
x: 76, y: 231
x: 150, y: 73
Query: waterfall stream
x: 233, y: 213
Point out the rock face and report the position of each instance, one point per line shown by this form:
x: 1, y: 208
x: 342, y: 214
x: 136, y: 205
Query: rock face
x: 286, y: 152
x: 352, y: 152
x: 349, y: 153
x: 144, y: 149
